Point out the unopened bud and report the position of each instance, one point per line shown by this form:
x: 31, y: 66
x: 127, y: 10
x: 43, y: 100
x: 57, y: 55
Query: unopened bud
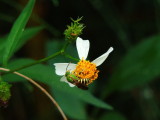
x: 74, y: 30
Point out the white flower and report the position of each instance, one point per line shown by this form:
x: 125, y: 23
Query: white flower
x: 83, y: 49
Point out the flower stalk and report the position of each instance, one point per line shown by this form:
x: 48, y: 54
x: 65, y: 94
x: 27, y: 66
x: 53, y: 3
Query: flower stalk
x: 34, y: 63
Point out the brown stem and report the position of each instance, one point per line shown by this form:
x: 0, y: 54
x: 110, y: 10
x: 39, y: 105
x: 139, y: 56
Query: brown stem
x: 42, y: 89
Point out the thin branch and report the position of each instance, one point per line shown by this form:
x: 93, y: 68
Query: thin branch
x: 42, y: 89
x: 35, y: 62
x: 69, y: 56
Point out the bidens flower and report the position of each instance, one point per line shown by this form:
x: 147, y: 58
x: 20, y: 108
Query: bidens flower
x: 84, y: 72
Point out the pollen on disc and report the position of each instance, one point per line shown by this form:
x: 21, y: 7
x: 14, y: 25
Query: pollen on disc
x: 86, y: 70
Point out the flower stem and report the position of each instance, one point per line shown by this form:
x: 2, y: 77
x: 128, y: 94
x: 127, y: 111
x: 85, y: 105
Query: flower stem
x: 42, y: 89
x: 36, y: 62
x: 68, y: 56
x: 41, y: 60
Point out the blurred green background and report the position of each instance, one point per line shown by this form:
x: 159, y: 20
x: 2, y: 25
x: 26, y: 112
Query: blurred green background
x: 128, y: 80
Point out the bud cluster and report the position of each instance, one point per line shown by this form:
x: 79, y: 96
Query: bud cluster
x: 74, y: 30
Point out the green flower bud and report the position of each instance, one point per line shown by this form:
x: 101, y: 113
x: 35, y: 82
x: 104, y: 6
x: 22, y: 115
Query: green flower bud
x: 4, y: 93
x: 74, y: 30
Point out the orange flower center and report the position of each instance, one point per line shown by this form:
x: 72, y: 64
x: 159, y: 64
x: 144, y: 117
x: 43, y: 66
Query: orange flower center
x: 86, y: 70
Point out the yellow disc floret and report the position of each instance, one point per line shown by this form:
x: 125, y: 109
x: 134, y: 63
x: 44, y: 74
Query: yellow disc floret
x: 86, y: 70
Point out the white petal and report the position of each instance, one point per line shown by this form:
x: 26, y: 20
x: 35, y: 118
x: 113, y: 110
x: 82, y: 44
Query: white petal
x: 70, y: 84
x: 63, y: 79
x: 82, y: 47
x: 61, y: 68
x: 103, y: 57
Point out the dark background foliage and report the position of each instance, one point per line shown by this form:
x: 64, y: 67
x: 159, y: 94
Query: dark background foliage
x: 128, y: 79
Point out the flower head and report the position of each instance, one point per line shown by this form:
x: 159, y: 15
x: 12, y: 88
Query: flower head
x: 84, y: 72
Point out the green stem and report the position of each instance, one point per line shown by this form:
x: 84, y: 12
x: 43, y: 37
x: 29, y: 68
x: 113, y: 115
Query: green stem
x: 36, y: 62
x: 65, y: 46
x: 68, y: 56
x: 42, y: 60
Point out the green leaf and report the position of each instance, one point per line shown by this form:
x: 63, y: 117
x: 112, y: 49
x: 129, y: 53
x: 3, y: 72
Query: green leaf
x: 140, y: 65
x: 46, y: 74
x: 112, y: 116
x: 71, y: 105
x: 2, y: 46
x: 26, y: 35
x: 17, y: 30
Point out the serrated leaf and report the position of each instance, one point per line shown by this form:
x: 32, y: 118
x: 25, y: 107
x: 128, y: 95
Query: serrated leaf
x: 140, y: 65
x: 45, y: 74
x: 17, y: 30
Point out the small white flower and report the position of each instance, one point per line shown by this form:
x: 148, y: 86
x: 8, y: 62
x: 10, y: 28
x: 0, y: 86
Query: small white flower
x: 83, y: 49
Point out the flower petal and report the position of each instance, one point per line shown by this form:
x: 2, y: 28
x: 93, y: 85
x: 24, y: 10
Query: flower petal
x: 82, y: 47
x: 61, y: 68
x: 103, y: 57
x: 63, y: 79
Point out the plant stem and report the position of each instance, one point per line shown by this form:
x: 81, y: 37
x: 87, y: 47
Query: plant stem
x: 42, y: 89
x: 36, y: 62
x: 68, y: 56
x: 44, y: 59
